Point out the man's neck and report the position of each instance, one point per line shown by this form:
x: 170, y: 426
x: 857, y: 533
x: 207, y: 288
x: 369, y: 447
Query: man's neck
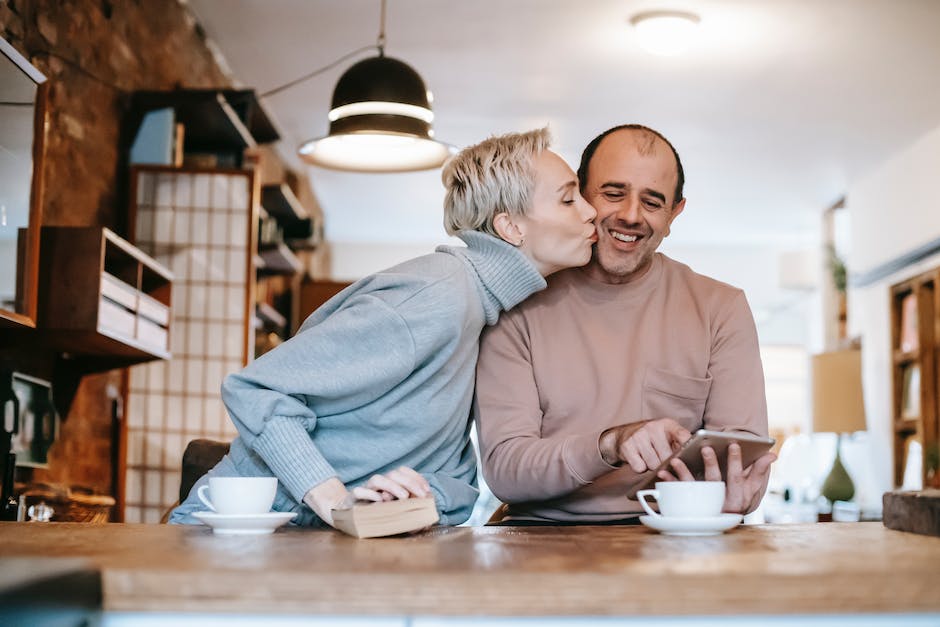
x: 594, y: 270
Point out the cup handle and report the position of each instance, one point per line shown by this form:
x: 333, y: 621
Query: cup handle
x: 202, y: 497
x: 641, y: 497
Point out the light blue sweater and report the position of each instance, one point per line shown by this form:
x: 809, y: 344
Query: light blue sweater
x: 380, y: 376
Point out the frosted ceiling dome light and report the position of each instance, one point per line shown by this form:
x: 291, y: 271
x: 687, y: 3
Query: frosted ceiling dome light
x: 665, y: 33
x: 380, y: 121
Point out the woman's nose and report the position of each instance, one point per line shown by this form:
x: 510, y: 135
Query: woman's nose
x: 588, y: 212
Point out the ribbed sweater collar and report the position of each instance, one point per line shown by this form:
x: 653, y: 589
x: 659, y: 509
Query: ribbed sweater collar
x: 506, y: 276
x: 600, y: 292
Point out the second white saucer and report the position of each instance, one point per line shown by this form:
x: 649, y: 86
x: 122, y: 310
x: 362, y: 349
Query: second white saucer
x: 244, y: 524
x: 710, y: 526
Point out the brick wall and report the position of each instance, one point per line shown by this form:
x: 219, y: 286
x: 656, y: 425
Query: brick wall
x: 94, y: 52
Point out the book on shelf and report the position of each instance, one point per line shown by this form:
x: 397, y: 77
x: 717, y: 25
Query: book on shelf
x: 910, y: 391
x: 368, y: 519
x: 908, y: 323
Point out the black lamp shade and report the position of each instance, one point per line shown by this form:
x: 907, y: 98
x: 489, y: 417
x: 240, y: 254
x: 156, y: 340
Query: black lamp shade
x: 380, y: 121
x: 386, y: 80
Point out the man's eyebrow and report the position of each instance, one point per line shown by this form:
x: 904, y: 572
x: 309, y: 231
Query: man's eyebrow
x: 566, y: 185
x: 655, y: 194
x: 625, y: 186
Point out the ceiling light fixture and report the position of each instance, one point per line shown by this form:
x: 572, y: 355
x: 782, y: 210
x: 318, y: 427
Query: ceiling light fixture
x: 380, y: 119
x: 665, y: 33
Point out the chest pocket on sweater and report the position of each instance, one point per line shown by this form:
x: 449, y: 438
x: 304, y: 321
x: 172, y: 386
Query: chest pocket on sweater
x: 670, y: 395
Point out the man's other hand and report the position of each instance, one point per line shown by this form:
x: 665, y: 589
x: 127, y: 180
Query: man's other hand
x: 744, y: 487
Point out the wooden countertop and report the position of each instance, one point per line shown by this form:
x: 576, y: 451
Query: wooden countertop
x: 765, y: 569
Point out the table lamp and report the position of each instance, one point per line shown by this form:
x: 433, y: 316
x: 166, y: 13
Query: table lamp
x: 838, y: 407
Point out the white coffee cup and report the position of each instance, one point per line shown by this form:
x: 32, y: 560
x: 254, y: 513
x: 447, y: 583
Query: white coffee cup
x: 239, y: 495
x: 685, y: 499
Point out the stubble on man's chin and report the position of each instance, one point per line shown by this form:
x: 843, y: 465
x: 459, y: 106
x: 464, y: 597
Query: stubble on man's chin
x: 618, y: 270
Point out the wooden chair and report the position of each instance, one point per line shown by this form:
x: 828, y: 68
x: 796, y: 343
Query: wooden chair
x: 199, y: 458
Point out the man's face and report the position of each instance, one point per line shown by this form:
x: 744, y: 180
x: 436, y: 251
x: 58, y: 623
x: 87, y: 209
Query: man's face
x: 631, y: 182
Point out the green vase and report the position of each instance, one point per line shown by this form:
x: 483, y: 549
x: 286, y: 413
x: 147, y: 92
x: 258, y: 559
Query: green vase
x: 838, y: 485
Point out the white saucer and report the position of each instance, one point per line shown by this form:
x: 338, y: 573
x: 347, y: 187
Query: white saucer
x: 244, y: 524
x: 711, y: 526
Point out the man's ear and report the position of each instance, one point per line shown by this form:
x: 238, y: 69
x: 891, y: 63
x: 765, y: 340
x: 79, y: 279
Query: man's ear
x: 507, y: 229
x: 676, y: 210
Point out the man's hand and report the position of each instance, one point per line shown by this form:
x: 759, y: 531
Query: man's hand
x: 744, y: 487
x: 642, y: 445
x: 401, y: 483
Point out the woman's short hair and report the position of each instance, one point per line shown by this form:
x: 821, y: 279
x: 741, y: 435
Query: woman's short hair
x: 492, y: 177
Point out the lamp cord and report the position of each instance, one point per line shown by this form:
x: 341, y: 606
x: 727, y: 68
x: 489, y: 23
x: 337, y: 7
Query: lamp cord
x: 379, y: 45
x: 380, y: 42
x: 317, y: 71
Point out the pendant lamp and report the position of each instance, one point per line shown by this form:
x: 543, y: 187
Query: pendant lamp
x: 380, y: 120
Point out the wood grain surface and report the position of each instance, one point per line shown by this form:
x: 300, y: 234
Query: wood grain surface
x: 775, y: 569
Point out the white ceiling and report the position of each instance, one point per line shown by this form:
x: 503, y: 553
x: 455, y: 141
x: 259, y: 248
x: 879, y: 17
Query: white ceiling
x: 776, y: 109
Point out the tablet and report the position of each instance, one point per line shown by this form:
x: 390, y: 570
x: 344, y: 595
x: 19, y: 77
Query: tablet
x: 752, y: 447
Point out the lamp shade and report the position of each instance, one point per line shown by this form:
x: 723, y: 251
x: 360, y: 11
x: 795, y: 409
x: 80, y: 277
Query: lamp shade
x: 380, y: 121
x: 838, y: 405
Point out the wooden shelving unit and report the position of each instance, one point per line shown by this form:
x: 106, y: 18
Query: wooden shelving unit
x: 216, y: 120
x: 102, y: 298
x: 915, y: 341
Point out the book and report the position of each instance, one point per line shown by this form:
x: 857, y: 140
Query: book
x: 908, y: 333
x: 368, y: 519
x: 154, y: 140
x: 910, y: 392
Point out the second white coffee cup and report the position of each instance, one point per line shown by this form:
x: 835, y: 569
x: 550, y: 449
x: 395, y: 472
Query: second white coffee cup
x: 685, y: 499
x: 239, y: 495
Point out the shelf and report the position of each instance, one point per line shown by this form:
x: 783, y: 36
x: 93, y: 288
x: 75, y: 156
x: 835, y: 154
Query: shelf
x: 103, y: 301
x: 215, y: 120
x: 280, y: 202
x: 915, y: 311
x: 268, y: 317
x: 905, y: 357
x: 278, y: 259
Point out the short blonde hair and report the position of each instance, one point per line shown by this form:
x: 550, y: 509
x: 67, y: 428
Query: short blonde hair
x: 492, y: 177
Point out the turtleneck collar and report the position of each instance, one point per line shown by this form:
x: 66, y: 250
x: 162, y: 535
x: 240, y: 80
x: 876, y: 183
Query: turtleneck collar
x: 506, y: 276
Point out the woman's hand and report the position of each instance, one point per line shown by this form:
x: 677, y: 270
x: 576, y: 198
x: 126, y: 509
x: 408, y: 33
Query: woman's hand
x: 401, y: 483
x: 327, y: 496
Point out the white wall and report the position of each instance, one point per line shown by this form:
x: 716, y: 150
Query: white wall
x: 350, y: 261
x: 894, y: 209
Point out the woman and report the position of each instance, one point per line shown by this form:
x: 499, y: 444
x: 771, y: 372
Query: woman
x: 370, y: 400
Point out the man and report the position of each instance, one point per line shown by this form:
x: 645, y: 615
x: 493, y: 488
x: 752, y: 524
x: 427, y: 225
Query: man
x: 593, y: 382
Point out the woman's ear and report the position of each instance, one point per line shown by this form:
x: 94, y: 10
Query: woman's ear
x: 507, y: 229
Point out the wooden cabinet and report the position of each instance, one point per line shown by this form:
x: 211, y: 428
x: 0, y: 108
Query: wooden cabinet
x: 101, y: 298
x: 915, y: 341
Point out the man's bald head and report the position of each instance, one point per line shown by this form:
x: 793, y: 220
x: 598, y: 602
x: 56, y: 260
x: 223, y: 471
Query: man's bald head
x: 645, y: 141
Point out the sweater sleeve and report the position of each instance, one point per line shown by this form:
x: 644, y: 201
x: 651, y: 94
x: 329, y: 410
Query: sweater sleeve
x: 518, y: 463
x: 736, y: 400
x: 350, y: 358
x: 455, y: 488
